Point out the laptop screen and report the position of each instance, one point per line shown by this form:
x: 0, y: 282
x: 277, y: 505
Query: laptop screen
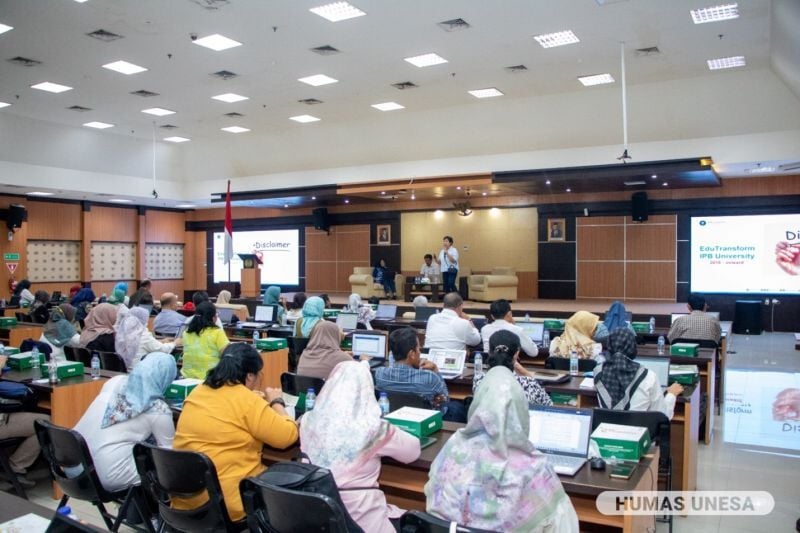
x: 386, y: 311
x: 450, y: 362
x: 347, y: 321
x: 534, y: 330
x: 371, y: 344
x: 564, y: 431
x: 225, y: 315
x: 657, y: 365
x: 265, y: 313
x: 423, y: 313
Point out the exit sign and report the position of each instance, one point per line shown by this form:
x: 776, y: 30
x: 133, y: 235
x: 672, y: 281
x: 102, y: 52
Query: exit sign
x: 10, y: 257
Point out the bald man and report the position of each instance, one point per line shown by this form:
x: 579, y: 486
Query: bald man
x: 168, y: 321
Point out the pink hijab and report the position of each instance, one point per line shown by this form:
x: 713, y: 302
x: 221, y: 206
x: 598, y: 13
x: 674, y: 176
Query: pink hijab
x: 99, y: 322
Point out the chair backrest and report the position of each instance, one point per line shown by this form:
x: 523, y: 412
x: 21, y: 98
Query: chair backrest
x: 70, y: 461
x: 504, y: 271
x: 111, y: 361
x: 167, y: 473
x: 83, y: 355
x: 419, y: 522
x: 69, y: 353
x: 295, y: 384
x: 21, y: 317
x: 656, y: 423
x: 562, y: 363
x: 296, y: 346
x: 405, y: 399
x: 362, y: 270
x: 28, y: 344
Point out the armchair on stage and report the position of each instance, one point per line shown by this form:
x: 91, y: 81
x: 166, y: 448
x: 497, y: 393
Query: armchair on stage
x: 361, y: 283
x: 501, y: 283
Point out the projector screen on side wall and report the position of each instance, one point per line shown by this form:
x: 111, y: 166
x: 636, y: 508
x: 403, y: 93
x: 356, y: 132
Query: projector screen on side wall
x: 746, y: 254
x: 278, y: 249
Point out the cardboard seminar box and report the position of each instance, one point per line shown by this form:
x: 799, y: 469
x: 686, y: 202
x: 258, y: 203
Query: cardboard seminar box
x: 684, y: 374
x: 180, y: 388
x: 552, y: 323
x: 419, y: 422
x: 628, y: 443
x: 330, y: 313
x: 9, y: 350
x: 641, y: 327
x: 65, y: 369
x: 8, y: 321
x: 270, y: 344
x: 564, y: 398
x: 23, y: 361
x: 688, y: 349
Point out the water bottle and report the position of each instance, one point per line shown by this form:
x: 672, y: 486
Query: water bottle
x: 573, y: 362
x: 383, y: 403
x: 95, y: 366
x: 661, y: 345
x: 2, y: 349
x: 546, y: 338
x: 255, y: 337
x: 311, y: 399
x: 527, y: 317
x: 652, y: 324
x: 391, y: 359
x: 52, y: 370
x: 35, y: 358
x: 66, y: 510
x: 478, y: 366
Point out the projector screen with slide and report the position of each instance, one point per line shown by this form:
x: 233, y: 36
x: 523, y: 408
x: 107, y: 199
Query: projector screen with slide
x: 746, y: 254
x: 278, y: 249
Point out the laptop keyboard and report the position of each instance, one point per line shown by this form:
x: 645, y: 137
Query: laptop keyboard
x: 563, y: 464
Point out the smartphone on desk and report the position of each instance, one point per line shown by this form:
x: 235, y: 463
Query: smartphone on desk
x: 622, y: 470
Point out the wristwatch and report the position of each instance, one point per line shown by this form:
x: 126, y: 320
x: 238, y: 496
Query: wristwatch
x: 277, y: 400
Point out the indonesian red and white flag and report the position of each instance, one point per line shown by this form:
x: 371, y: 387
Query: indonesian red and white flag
x: 228, y: 226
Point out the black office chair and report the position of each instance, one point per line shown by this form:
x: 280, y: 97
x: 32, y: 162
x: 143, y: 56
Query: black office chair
x: 296, y: 346
x: 21, y: 317
x: 274, y: 509
x: 7, y: 447
x: 295, y: 384
x: 83, y: 355
x: 72, y: 468
x: 657, y: 424
x: 405, y: 399
x: 562, y: 363
x: 111, y: 361
x: 69, y: 353
x: 166, y: 473
x: 28, y: 344
x: 419, y: 522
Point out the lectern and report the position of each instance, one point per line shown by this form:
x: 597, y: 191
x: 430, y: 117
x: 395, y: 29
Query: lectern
x: 251, y: 275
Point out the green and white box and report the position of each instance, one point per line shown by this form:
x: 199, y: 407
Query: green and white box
x: 180, y: 388
x: 8, y: 321
x: 271, y: 344
x: 628, y: 443
x: 684, y: 374
x: 686, y: 349
x: 23, y: 361
x: 641, y: 327
x: 419, y: 422
x: 65, y: 369
x: 10, y: 350
x: 553, y: 323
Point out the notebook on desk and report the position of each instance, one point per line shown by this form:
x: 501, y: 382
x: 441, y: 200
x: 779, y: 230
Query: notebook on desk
x: 562, y: 435
x: 450, y: 362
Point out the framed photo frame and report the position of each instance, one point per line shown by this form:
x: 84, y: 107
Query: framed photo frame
x: 556, y: 229
x: 383, y: 235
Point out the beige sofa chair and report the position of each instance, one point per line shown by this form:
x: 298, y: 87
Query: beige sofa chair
x: 361, y: 283
x: 501, y: 283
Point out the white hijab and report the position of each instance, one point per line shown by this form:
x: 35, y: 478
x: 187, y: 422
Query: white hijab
x: 130, y: 326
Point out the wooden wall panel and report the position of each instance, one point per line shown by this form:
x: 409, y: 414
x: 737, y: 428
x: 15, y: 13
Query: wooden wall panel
x: 330, y: 258
x: 194, y: 261
x: 528, y: 285
x: 601, y: 243
x: 321, y: 277
x: 320, y: 246
x: 650, y: 280
x: 165, y: 226
x: 159, y: 287
x: 645, y: 242
x: 604, y: 279
x: 50, y: 221
x: 352, y: 247
x: 599, y: 221
x: 112, y: 224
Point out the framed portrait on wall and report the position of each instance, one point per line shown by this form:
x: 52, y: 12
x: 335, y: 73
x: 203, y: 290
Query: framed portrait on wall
x: 556, y: 229
x: 383, y: 233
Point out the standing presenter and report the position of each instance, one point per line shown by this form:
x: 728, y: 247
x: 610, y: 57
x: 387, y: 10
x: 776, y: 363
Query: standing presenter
x: 448, y: 262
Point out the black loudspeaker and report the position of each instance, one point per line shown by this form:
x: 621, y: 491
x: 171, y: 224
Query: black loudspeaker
x: 321, y: 221
x: 16, y: 215
x: 639, y: 206
x: 747, y: 317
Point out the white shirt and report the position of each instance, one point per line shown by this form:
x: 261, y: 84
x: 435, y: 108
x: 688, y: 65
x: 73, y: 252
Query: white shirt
x: 445, y: 262
x: 149, y: 344
x: 429, y: 271
x: 57, y: 351
x: 525, y: 342
x: 649, y: 396
x: 449, y: 331
x: 112, y: 447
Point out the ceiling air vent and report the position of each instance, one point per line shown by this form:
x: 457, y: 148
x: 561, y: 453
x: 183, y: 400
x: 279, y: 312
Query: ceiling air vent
x: 233, y: 114
x: 144, y: 94
x: 514, y: 69
x: 24, y: 61
x: 648, y: 51
x: 453, y: 25
x: 79, y: 108
x: 211, y: 5
x: 224, y: 74
x: 325, y: 50
x: 169, y: 126
x: 105, y: 36
x: 310, y: 101
x: 403, y: 85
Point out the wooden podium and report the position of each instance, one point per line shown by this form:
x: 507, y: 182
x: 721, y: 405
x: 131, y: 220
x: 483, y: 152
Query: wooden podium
x: 251, y: 276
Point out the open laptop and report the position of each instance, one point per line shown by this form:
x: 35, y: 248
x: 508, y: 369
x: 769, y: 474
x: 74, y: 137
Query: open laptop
x: 264, y: 316
x: 225, y: 315
x: 450, y: 362
x: 422, y: 314
x: 370, y: 343
x: 658, y: 366
x: 56, y: 297
x: 386, y: 312
x: 347, y: 321
x: 562, y: 435
x: 534, y: 330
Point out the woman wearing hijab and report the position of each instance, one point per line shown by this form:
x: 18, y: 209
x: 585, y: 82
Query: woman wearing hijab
x: 98, y: 333
x: 345, y: 433
x: 615, y: 317
x: 323, y: 352
x: 61, y: 331
x: 272, y: 296
x: 623, y: 384
x: 81, y: 302
x: 488, y: 474
x: 224, y: 302
x: 39, y: 312
x: 384, y: 277
x: 23, y: 290
x: 133, y: 340
x: 119, y: 294
x: 578, y: 335
x: 365, y: 312
x: 130, y: 409
x: 313, y: 310
x: 203, y: 342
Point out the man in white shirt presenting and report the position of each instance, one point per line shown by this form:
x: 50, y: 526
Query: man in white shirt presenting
x: 451, y: 329
x: 448, y: 262
x: 428, y: 269
x: 503, y: 319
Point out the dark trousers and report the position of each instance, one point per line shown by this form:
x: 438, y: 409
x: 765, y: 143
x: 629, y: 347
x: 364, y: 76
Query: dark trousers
x: 455, y: 411
x: 449, y: 281
x: 388, y: 286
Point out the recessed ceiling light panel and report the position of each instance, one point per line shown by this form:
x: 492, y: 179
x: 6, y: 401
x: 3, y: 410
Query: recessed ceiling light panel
x: 304, y: 119
x: 337, y: 11
x: 489, y: 92
x: 120, y: 200
x: 158, y: 111
x: 318, y: 79
x: 98, y: 125
x: 217, y: 42
x: 230, y: 97
x: 51, y: 87
x: 176, y: 139
x: 596, y: 79
x: 715, y: 13
x: 560, y: 38
x: 40, y: 193
x: 388, y: 106
x: 426, y: 60
x: 4, y: 104
x: 726, y: 62
x: 5, y: 27
x: 123, y: 67
x: 235, y: 129
x: 185, y: 206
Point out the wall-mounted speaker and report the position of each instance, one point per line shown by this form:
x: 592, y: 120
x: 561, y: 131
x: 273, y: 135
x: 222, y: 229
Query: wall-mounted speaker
x: 321, y: 221
x: 639, y: 206
x: 14, y: 216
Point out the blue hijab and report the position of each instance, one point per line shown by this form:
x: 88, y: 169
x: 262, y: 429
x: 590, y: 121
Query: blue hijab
x: 313, y: 310
x: 143, y: 389
x: 616, y: 317
x: 272, y: 296
x: 82, y: 296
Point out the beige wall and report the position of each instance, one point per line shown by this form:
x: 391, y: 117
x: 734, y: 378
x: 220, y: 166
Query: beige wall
x: 485, y: 239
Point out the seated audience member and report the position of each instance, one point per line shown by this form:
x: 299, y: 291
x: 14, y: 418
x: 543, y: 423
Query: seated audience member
x: 22, y: 290
x: 39, y: 311
x: 133, y: 340
x: 504, y: 350
x: 119, y: 294
x: 326, y: 300
x: 203, y: 342
x: 578, y: 335
x: 420, y: 301
x: 323, y: 351
x: 488, y: 474
x: 73, y: 291
x: 82, y: 303
x: 224, y: 302
x: 625, y: 385
x: 61, y: 330
x: 419, y: 376
x: 429, y: 269
x: 365, y: 312
x: 129, y: 409
x: 504, y: 320
x: 452, y: 328
x: 346, y: 434
x: 616, y: 317
x: 230, y: 422
x: 169, y: 320
x: 98, y: 332
x: 313, y: 309
x: 295, y: 310
x: 385, y: 277
x: 198, y: 297
x: 145, y: 285
x: 272, y: 296
x: 140, y: 297
x: 697, y: 325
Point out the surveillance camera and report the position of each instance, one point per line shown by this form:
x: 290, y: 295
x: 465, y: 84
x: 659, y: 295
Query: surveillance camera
x: 154, y: 193
x: 193, y: 36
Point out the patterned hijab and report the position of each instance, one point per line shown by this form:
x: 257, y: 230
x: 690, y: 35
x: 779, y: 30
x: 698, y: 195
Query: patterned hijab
x: 59, y: 330
x: 100, y: 321
x: 129, y: 330
x: 345, y: 428
x: 577, y: 334
x: 313, y: 310
x: 616, y: 316
x: 489, y: 475
x: 616, y: 375
x: 142, y: 390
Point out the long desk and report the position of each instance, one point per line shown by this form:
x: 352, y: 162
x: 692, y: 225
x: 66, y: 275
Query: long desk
x: 404, y: 484
x: 14, y: 335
